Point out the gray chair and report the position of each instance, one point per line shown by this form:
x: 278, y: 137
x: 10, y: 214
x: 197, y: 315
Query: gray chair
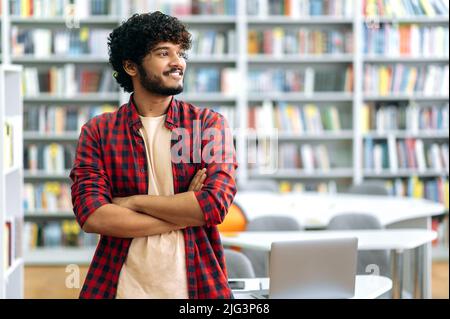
x: 368, y: 261
x: 259, y: 185
x: 369, y: 188
x: 238, y: 265
x: 260, y: 259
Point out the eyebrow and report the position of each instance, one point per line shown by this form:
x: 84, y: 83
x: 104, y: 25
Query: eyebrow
x: 163, y: 48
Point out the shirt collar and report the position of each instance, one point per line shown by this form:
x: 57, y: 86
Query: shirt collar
x: 172, y: 118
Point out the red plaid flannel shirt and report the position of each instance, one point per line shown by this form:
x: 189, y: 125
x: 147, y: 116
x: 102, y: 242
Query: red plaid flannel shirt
x: 111, y: 162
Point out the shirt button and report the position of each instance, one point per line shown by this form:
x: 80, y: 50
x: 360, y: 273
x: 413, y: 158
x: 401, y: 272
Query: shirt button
x: 142, y: 170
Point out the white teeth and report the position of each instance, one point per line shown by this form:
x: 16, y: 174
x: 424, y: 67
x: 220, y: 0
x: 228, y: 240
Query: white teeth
x: 176, y: 75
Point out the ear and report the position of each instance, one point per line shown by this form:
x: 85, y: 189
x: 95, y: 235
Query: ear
x: 130, y: 67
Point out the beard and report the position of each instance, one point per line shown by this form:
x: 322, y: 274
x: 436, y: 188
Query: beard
x: 153, y: 83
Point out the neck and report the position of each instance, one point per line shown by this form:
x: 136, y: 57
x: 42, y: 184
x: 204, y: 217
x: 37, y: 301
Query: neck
x: 149, y: 104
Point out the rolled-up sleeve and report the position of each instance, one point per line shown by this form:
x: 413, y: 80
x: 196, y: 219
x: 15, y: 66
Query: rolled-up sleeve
x: 219, y: 189
x: 90, y: 184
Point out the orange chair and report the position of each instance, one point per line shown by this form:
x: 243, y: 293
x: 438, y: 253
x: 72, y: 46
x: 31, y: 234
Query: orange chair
x: 234, y: 221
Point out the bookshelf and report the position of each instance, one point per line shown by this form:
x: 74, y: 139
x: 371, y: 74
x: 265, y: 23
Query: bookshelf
x: 11, y: 180
x: 232, y: 28
x: 422, y: 139
x: 49, y: 33
x: 11, y: 173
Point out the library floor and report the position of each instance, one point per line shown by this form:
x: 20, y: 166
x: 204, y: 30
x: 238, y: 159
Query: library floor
x: 50, y: 282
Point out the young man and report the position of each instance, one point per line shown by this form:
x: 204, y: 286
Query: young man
x: 156, y: 210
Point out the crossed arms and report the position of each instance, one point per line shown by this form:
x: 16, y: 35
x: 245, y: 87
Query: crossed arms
x: 205, y: 203
x: 146, y: 215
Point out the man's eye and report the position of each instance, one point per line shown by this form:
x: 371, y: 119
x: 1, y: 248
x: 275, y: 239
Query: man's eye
x: 183, y: 55
x: 164, y: 54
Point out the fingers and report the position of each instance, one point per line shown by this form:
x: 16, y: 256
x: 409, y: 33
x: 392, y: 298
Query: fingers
x: 197, y: 181
x: 200, y: 179
x: 194, y: 180
x: 197, y: 178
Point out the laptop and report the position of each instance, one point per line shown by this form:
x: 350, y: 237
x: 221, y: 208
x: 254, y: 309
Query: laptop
x: 311, y: 269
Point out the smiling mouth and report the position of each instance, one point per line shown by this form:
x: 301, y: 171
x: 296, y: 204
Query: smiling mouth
x: 175, y: 74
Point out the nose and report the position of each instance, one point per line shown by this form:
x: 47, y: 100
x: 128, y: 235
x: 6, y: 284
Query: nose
x: 177, y: 61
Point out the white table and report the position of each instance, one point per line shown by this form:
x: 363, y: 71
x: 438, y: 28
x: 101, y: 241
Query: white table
x: 395, y: 240
x: 314, y: 210
x: 366, y: 286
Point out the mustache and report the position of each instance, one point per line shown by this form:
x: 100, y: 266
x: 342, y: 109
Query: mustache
x: 173, y: 70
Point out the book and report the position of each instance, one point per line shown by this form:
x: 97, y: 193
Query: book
x: 228, y: 112
x: 406, y: 79
x: 8, y: 145
x: 209, y: 80
x: 208, y: 42
x: 405, y: 8
x: 65, y: 233
x: 300, y: 187
x: 302, y: 41
x: 411, y: 40
x: 52, y: 158
x: 230, y: 81
x: 307, y: 157
x: 58, y: 8
x: 7, y: 245
x: 393, y: 158
x: 59, y: 119
x: 50, y: 197
x: 289, y: 156
x: 391, y: 117
x: 420, y: 156
x: 66, y: 80
x: 407, y: 153
x: 297, y: 119
x: 300, y: 8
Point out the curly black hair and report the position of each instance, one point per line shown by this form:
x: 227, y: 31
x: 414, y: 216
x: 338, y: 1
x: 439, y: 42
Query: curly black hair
x: 137, y: 36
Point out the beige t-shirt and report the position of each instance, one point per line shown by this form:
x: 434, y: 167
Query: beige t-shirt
x: 156, y: 265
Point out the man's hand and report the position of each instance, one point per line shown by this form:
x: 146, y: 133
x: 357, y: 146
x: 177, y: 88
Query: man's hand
x: 196, y: 185
x: 197, y: 181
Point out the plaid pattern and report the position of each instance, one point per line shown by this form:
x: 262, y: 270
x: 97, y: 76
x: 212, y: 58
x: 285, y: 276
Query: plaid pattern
x: 111, y: 162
